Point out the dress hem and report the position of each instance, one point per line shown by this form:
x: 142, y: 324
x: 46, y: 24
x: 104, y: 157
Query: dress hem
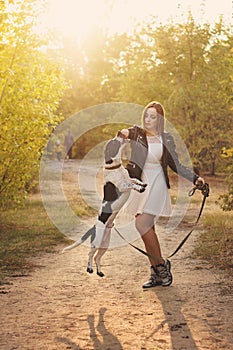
x: 158, y: 215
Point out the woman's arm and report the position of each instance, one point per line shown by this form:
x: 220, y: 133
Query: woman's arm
x: 134, y: 133
x: 176, y: 166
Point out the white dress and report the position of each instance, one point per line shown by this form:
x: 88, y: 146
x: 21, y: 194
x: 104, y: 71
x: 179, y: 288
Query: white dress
x: 155, y: 200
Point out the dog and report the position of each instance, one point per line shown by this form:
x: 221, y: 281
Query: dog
x: 117, y: 187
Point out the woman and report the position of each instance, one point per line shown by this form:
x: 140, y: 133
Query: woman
x: 152, y: 151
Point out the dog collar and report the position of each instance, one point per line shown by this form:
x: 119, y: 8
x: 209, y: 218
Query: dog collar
x: 113, y: 167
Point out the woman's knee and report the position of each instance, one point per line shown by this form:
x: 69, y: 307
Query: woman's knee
x: 143, y: 225
x: 138, y: 226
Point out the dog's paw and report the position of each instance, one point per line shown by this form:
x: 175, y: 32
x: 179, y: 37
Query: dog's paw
x: 99, y: 273
x: 142, y: 189
x: 89, y: 270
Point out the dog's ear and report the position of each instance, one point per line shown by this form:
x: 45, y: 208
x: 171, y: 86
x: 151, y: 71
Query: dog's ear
x: 111, y: 150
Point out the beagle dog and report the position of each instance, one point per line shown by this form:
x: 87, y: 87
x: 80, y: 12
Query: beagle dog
x: 117, y: 187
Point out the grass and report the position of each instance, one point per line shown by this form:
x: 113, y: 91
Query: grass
x: 216, y: 243
x: 24, y: 233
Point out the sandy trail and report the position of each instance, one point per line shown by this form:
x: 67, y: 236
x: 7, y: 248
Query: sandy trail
x: 59, y: 306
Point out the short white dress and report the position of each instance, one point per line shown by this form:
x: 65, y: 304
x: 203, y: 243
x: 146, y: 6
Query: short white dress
x: 155, y: 200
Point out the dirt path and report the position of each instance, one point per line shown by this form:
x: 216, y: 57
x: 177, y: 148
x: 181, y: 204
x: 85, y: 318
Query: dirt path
x: 59, y: 306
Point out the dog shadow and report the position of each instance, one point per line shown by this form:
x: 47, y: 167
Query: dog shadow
x: 70, y: 344
x: 109, y: 341
x: 172, y: 303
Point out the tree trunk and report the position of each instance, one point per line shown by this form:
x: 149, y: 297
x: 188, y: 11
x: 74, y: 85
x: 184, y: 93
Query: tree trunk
x: 212, y: 168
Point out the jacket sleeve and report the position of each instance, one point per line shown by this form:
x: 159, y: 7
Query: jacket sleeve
x: 133, y: 132
x: 174, y: 163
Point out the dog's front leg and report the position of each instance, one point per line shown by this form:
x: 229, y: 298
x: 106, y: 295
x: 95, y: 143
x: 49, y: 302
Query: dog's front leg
x: 137, y: 185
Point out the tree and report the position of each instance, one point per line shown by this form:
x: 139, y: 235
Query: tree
x: 30, y: 90
x: 187, y: 66
x: 193, y: 66
x: 89, y: 68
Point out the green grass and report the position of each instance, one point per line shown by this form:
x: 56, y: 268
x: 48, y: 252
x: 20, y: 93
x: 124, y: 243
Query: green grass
x: 24, y: 233
x: 216, y: 242
x: 27, y: 232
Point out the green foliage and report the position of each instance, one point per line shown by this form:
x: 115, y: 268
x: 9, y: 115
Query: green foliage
x: 216, y: 242
x: 195, y: 63
x: 30, y: 89
x: 226, y: 200
x: 188, y: 67
x: 25, y: 232
x: 94, y: 137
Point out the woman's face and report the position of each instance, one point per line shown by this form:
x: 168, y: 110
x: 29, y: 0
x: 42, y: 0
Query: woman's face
x: 151, y: 120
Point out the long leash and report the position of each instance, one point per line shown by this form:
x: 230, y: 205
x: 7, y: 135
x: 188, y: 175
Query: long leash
x: 134, y: 246
x: 204, y: 188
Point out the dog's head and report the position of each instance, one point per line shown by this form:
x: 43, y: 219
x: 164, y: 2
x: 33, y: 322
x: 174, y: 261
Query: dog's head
x: 112, y: 153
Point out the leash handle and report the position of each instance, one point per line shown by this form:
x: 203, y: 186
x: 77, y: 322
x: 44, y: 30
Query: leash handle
x: 204, y: 188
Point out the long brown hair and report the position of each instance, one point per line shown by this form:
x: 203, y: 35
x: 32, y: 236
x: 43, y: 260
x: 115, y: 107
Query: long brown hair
x: 161, y: 115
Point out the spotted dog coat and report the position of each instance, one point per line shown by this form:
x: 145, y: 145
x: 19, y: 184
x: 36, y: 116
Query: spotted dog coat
x: 117, y: 187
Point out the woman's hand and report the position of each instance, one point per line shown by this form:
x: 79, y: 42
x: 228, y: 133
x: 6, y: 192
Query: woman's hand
x: 124, y: 133
x: 200, y: 179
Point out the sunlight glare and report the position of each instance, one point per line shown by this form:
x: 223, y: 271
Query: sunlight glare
x: 78, y: 18
x: 75, y: 18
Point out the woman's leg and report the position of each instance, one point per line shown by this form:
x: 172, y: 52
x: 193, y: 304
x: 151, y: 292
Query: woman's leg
x: 160, y: 269
x: 152, y: 246
x: 145, y: 226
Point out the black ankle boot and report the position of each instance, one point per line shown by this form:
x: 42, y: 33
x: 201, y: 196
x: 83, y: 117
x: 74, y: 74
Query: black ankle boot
x: 153, y: 281
x: 163, y: 271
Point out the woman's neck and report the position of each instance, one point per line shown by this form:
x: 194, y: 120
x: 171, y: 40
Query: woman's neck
x: 150, y: 133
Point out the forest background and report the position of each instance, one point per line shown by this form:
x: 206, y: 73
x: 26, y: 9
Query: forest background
x: 46, y: 78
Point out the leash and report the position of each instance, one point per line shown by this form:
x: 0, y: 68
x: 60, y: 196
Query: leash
x: 135, y: 247
x: 204, y: 188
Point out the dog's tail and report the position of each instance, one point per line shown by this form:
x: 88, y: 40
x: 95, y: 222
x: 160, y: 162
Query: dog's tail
x: 89, y: 233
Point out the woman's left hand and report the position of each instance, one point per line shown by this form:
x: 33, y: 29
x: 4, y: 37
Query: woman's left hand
x: 200, y: 179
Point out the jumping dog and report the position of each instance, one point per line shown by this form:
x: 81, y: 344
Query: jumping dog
x: 117, y: 187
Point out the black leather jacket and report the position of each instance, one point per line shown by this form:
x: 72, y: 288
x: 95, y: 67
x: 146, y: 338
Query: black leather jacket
x: 139, y: 150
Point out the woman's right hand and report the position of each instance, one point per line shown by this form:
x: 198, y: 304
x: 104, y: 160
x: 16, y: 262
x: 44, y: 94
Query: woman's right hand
x: 124, y: 133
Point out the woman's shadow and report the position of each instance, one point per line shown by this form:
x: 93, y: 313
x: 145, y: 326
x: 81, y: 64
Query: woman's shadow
x: 172, y: 303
